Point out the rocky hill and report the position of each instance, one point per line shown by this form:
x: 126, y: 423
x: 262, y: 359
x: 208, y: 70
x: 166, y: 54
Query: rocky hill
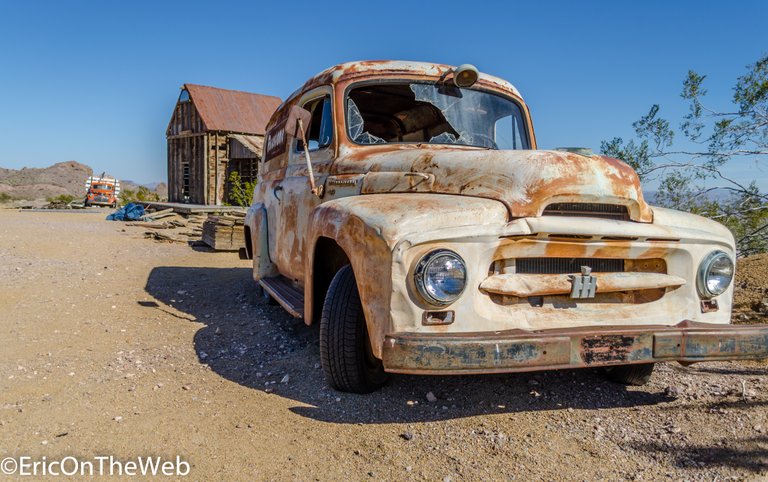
x: 68, y: 178
x: 41, y: 183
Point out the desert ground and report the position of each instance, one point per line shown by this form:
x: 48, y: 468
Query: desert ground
x: 112, y: 344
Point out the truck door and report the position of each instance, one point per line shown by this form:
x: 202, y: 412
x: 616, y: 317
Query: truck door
x: 296, y: 198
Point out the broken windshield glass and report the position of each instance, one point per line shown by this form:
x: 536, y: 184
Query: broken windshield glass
x: 434, y: 113
x: 356, y: 126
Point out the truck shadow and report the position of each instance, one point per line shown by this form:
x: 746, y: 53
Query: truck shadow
x: 258, y: 345
x: 750, y: 454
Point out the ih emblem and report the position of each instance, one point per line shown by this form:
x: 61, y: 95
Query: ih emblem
x: 583, y: 286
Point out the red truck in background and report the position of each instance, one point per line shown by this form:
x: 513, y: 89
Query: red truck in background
x: 101, y: 191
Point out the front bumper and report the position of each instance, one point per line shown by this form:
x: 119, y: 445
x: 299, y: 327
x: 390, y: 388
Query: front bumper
x: 589, y: 346
x: 100, y: 201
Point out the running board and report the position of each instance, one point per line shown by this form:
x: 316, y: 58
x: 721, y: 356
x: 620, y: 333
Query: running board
x: 284, y: 292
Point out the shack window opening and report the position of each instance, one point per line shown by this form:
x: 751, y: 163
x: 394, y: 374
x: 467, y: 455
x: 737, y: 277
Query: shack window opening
x: 434, y: 113
x: 185, y: 181
x: 184, y: 96
x: 320, y: 131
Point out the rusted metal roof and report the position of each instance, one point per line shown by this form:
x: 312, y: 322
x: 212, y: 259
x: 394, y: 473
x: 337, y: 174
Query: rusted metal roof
x: 232, y: 110
x: 252, y: 143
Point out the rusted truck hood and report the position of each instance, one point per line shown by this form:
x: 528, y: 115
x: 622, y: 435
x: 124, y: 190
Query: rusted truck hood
x: 525, y: 181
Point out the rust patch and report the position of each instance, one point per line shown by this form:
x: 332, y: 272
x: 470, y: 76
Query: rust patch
x: 606, y: 348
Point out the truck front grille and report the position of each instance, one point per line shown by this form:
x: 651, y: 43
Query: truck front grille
x: 561, y: 266
x: 567, y: 265
x: 592, y: 210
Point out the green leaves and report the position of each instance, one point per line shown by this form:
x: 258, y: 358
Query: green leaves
x: 751, y: 91
x: 142, y: 193
x: 692, y: 125
x: 636, y: 155
x: 61, y: 198
x: 240, y: 192
x: 652, y: 128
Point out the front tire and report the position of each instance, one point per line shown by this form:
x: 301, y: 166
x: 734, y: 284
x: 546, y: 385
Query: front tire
x: 345, y: 348
x: 636, y: 375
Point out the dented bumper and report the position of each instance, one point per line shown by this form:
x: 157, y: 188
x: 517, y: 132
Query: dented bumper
x: 592, y: 346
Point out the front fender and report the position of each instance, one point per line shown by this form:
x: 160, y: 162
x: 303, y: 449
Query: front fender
x: 369, y: 227
x: 256, y: 221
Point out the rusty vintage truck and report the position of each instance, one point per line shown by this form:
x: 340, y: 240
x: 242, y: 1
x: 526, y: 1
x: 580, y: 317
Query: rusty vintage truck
x: 405, y: 207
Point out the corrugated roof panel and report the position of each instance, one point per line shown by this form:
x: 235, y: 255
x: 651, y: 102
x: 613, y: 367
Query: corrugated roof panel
x: 252, y: 143
x: 232, y: 110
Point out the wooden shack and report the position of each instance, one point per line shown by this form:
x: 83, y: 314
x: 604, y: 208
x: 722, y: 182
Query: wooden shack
x: 213, y: 132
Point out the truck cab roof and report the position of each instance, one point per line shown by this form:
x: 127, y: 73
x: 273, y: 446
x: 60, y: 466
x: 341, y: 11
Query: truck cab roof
x: 357, y: 70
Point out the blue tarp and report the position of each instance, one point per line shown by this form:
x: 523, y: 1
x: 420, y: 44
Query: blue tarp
x: 129, y: 212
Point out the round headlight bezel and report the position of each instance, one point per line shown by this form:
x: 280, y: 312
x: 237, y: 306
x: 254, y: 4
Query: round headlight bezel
x: 421, y: 282
x: 704, y: 272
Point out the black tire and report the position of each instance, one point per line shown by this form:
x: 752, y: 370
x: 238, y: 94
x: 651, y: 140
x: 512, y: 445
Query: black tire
x: 345, y: 350
x: 630, y: 374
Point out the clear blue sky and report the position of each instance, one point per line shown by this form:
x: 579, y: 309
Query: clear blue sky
x: 97, y: 81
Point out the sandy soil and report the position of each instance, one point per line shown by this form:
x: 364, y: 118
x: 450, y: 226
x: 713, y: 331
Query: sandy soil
x: 111, y: 344
x: 751, y: 290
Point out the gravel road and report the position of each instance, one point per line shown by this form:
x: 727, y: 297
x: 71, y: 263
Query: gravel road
x: 116, y: 345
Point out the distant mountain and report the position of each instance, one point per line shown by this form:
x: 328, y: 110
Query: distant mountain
x: 68, y: 177
x: 40, y: 183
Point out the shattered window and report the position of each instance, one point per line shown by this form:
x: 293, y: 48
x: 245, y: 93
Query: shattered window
x: 435, y: 114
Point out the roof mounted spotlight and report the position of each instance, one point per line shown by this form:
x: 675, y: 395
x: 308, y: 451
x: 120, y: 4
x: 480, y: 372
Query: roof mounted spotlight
x: 465, y: 75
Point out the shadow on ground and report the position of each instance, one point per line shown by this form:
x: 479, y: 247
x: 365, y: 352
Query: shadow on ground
x: 255, y: 344
x: 750, y: 454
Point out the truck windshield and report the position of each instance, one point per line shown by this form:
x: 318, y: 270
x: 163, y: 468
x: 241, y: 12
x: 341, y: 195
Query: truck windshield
x: 435, y: 114
x: 102, y: 187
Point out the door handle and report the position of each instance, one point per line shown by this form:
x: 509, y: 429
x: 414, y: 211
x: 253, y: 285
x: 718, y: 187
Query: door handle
x: 277, y: 188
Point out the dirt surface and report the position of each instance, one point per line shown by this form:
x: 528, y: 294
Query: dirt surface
x: 751, y: 290
x: 116, y: 345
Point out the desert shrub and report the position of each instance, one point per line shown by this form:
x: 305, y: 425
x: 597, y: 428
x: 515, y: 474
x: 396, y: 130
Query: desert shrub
x: 61, y: 198
x: 142, y: 194
x: 240, y: 192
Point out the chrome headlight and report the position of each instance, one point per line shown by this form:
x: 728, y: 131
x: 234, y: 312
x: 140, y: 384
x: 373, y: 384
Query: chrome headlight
x: 715, y: 274
x: 441, y: 276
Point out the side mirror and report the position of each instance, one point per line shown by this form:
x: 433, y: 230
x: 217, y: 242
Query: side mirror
x: 296, y: 126
x: 286, y: 127
x: 295, y: 115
